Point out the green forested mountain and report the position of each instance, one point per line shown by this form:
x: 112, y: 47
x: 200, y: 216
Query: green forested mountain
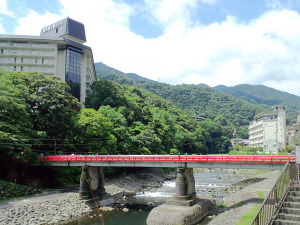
x: 260, y: 94
x: 197, y: 100
x: 237, y: 105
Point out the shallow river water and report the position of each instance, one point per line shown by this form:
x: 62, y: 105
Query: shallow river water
x: 207, y: 183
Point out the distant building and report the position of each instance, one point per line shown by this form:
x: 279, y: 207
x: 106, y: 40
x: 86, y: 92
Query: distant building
x: 269, y: 129
x: 293, y: 133
x: 239, y: 141
x: 59, y: 51
x: 198, y: 118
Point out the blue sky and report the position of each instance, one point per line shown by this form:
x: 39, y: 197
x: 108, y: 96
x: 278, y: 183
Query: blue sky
x: 215, y: 42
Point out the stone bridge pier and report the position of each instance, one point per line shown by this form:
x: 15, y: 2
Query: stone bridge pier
x: 184, y: 208
x: 91, y: 183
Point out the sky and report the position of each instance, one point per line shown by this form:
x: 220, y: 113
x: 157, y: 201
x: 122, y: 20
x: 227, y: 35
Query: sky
x: 214, y: 42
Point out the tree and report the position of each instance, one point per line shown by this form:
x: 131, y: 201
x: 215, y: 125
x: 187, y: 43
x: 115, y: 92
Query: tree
x: 45, y: 101
x: 120, y: 129
x: 16, y: 127
x: 105, y: 92
x: 94, y: 133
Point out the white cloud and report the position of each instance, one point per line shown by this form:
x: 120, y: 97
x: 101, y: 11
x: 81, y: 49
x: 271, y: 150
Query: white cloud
x: 34, y: 22
x: 4, y: 9
x: 262, y: 51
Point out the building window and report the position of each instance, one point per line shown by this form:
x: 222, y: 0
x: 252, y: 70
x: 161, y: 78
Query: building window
x: 15, y: 60
x: 35, y: 60
x: 73, y: 70
x: 42, y: 61
x: 15, y: 68
x: 2, y: 51
x: 21, y: 68
x: 21, y: 60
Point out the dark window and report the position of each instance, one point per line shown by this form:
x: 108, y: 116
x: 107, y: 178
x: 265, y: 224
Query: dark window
x: 21, y: 60
x: 15, y: 68
x: 73, y: 70
x: 2, y: 51
x: 21, y: 68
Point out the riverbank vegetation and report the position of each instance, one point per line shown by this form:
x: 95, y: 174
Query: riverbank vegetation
x: 10, y: 190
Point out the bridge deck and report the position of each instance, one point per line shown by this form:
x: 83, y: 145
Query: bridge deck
x: 185, y: 161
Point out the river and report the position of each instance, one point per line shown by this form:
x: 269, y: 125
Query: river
x: 213, y: 183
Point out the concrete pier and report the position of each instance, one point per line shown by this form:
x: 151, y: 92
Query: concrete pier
x: 184, y: 208
x: 91, y: 183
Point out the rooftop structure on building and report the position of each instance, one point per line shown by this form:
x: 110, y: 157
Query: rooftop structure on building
x: 268, y: 130
x: 59, y: 50
x: 198, y: 118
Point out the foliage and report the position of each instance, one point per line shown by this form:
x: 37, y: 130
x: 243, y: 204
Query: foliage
x: 33, y: 108
x: 289, y: 149
x: 93, y: 133
x: 143, y: 123
x: 173, y: 151
x: 198, y: 100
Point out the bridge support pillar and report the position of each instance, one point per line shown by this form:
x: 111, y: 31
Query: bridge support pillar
x: 91, y: 183
x: 184, y: 208
x: 185, y: 188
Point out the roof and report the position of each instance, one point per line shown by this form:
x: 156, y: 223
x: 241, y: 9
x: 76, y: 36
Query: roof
x: 63, y: 27
x: 42, y: 38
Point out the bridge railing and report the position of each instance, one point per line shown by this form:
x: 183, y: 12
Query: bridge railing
x: 173, y: 158
x: 274, y: 200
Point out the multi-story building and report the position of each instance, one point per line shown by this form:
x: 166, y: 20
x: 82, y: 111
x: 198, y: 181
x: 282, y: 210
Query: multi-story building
x: 59, y: 50
x: 268, y: 130
x: 293, y: 133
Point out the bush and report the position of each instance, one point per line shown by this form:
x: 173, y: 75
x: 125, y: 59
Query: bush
x: 173, y: 151
x: 289, y: 148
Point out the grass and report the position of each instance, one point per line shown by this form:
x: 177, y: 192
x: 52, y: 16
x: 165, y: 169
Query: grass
x: 247, y: 219
x: 223, y: 204
x: 4, y: 182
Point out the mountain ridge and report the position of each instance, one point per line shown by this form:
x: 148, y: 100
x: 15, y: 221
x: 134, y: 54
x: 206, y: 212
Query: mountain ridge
x: 193, y: 97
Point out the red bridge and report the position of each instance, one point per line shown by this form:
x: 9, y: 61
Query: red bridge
x: 186, y: 161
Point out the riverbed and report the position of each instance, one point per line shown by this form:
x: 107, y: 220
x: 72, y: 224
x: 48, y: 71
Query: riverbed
x: 63, y: 207
x: 218, y: 184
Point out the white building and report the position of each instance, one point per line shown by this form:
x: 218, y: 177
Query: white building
x: 268, y: 130
x: 59, y: 51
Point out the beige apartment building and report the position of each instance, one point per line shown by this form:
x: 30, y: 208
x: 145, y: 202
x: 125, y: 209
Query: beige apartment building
x: 268, y: 130
x: 59, y: 50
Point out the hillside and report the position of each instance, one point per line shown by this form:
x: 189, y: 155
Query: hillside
x: 197, y: 100
x: 103, y: 69
x: 260, y: 94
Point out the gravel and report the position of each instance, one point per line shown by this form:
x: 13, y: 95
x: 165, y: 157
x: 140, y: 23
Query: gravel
x: 59, y: 207
x: 240, y: 203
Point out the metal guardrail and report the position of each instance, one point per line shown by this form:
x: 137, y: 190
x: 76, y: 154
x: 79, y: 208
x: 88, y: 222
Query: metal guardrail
x: 274, y: 200
x: 172, y: 158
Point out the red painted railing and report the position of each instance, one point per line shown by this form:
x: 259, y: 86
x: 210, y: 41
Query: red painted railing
x: 171, y: 158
